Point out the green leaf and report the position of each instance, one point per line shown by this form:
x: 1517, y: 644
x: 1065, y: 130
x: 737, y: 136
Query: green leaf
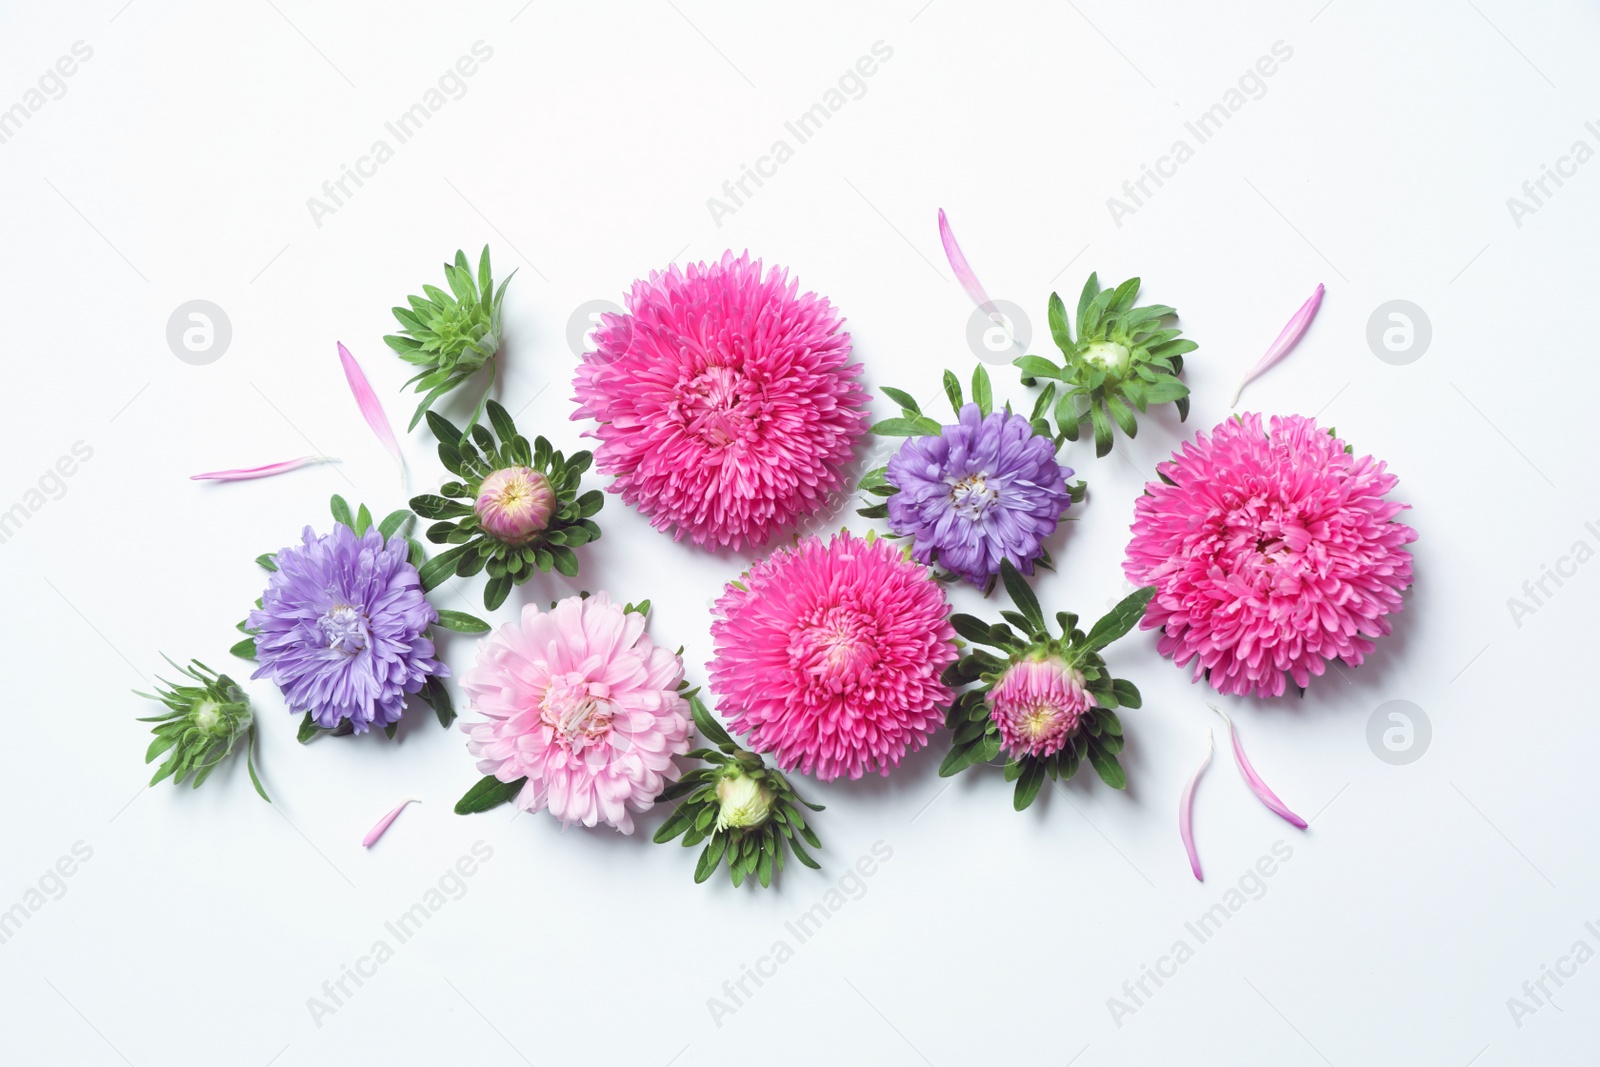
x: 363, y: 520
x: 308, y: 729
x: 430, y: 506
x: 903, y: 398
x: 982, y: 393
x: 710, y: 858
x: 1119, y: 620
x: 676, y: 823
x: 461, y: 622
x: 434, y: 572
x: 490, y: 792
x: 708, y: 726
x: 1127, y: 694
x: 341, y: 511
x: 250, y: 763
x: 245, y: 649
x: 1042, y: 405
x: 495, y: 593
x: 952, y: 391
x: 1028, y: 784
x: 921, y: 426
x: 1091, y: 289
x: 1119, y: 411
x: 500, y: 419
x: 266, y: 560
x: 566, y: 560
x: 1066, y: 415
x: 1060, y: 331
x: 1165, y: 389
x: 1036, y: 367
x: 1102, y: 430
x: 1107, y: 766
x: 392, y: 522
x: 1021, y: 595
x: 973, y: 629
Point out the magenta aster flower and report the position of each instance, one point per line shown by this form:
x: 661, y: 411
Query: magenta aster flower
x: 584, y: 706
x: 1271, y: 553
x: 343, y: 628
x: 726, y: 403
x: 1038, y: 704
x: 985, y: 489
x: 829, y: 656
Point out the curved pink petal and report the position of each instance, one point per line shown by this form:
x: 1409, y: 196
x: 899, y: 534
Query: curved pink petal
x: 1186, y: 809
x: 367, y: 401
x: 958, y: 263
x: 1257, y: 786
x: 383, y: 823
x: 241, y: 474
x: 1293, y: 330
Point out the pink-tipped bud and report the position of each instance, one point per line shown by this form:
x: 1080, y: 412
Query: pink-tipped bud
x: 515, y: 504
x: 1038, y: 705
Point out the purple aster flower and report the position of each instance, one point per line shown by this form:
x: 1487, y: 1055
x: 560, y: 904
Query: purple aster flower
x: 987, y: 488
x: 343, y: 628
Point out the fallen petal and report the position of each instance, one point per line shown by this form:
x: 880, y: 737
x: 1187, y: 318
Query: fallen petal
x: 371, y: 409
x: 383, y: 823
x: 1186, y: 809
x: 1293, y: 330
x: 1257, y: 786
x: 958, y: 263
x: 245, y: 473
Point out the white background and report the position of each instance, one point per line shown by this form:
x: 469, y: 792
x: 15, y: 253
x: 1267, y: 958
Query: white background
x: 177, y: 166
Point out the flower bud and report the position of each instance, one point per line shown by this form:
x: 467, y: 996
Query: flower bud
x: 1038, y: 704
x: 514, y: 504
x: 746, y: 802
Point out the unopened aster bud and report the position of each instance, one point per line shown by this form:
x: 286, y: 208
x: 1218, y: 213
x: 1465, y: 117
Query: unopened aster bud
x: 1038, y: 705
x: 514, y: 504
x: 746, y: 802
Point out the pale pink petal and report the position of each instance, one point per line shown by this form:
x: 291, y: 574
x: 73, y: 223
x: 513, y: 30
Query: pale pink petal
x: 1186, y: 809
x: 958, y: 263
x: 1257, y: 786
x: 246, y: 473
x: 1292, y: 332
x: 383, y: 823
x: 371, y: 409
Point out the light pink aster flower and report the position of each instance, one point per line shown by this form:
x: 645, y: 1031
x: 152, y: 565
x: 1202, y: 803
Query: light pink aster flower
x: 1271, y: 553
x: 1038, y: 704
x: 726, y: 403
x: 580, y: 702
x: 829, y: 656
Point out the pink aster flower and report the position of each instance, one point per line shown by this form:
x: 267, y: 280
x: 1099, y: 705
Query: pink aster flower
x: 1038, y: 704
x: 581, y: 703
x: 829, y: 655
x: 726, y: 403
x: 1271, y: 553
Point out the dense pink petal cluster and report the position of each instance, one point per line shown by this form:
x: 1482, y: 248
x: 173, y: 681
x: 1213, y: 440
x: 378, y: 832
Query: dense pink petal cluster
x: 1271, y: 552
x: 726, y: 403
x: 829, y: 656
x: 580, y: 702
x: 1038, y: 704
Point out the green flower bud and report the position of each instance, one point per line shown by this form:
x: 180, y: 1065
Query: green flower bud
x: 746, y: 802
